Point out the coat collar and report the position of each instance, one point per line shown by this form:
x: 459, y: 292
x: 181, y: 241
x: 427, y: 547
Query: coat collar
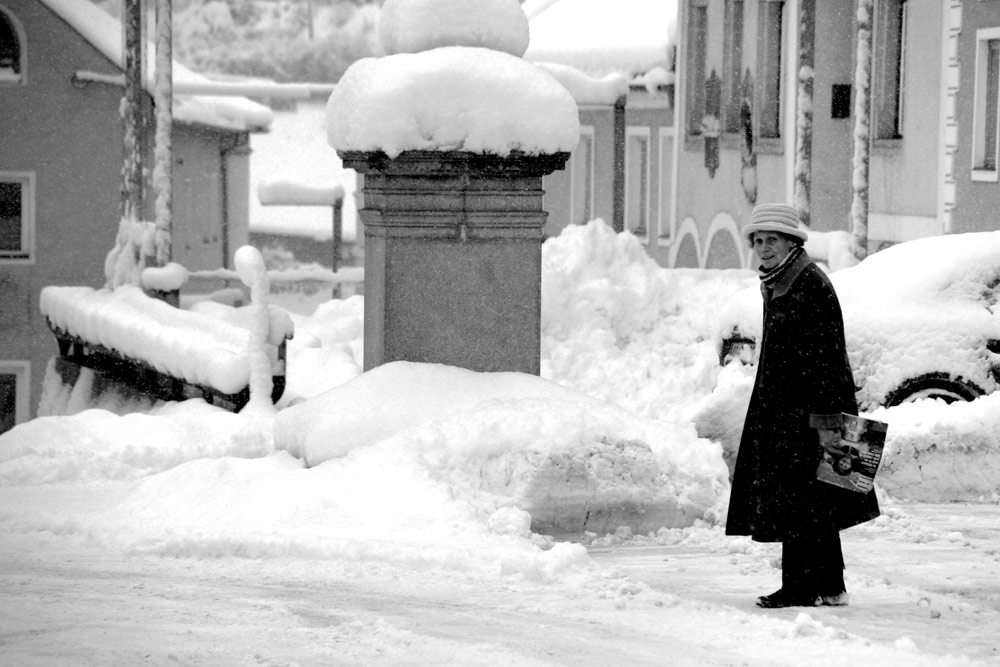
x: 784, y: 283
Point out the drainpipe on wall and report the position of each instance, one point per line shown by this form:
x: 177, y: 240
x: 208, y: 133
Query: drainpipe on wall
x: 224, y: 152
x: 239, y: 145
x: 618, y: 168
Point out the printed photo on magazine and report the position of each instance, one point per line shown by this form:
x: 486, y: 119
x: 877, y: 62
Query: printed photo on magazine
x: 862, y: 441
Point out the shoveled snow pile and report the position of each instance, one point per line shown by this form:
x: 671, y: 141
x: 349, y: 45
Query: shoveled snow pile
x: 938, y: 452
x: 617, y: 326
x: 98, y: 445
x: 575, y: 464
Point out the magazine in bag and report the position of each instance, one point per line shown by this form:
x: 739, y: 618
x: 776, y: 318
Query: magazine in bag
x: 862, y: 441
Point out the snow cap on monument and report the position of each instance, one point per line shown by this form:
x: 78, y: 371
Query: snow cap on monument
x: 412, y: 26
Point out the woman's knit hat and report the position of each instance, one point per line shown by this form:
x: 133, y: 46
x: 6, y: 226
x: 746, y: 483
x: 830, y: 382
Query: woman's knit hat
x: 780, y: 218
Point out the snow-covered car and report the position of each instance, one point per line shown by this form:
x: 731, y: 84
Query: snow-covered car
x: 921, y: 319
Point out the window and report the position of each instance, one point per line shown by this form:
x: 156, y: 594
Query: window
x: 890, y: 59
x: 581, y: 165
x: 666, y: 180
x: 769, y: 69
x: 733, y: 64
x: 15, y: 379
x: 17, y: 205
x: 12, y: 50
x: 697, y: 36
x: 637, y: 180
x: 986, y: 104
x: 989, y: 160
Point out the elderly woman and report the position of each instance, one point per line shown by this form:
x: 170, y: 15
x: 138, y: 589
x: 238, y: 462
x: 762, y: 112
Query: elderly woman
x: 803, y: 384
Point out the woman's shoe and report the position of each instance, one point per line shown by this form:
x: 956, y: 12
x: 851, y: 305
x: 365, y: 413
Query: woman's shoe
x: 838, y: 600
x: 782, y: 598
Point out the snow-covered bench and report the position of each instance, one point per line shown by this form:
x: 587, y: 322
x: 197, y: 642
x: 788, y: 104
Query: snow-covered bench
x: 165, y: 352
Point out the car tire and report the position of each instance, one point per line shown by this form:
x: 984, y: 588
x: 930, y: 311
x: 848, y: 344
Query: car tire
x: 933, y: 385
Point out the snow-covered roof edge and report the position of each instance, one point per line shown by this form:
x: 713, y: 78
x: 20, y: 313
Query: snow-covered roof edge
x: 103, y: 32
x: 587, y: 89
x: 629, y: 37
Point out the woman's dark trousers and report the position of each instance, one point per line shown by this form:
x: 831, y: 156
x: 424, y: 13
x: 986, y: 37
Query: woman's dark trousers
x: 813, y: 565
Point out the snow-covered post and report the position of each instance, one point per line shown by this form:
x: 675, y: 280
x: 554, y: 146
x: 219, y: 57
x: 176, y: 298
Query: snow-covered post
x: 803, y: 146
x: 163, y: 94
x: 862, y: 130
x: 250, y: 267
x: 131, y: 109
x: 453, y: 131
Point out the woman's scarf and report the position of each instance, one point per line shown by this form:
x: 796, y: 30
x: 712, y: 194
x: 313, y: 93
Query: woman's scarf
x: 769, y: 277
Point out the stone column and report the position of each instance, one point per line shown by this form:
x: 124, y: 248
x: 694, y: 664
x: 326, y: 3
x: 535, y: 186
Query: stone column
x: 453, y: 257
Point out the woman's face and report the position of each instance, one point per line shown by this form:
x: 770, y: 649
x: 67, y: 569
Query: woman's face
x: 771, y: 247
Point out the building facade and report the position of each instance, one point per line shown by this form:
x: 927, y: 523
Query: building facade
x: 621, y: 169
x: 743, y: 116
x: 61, y: 156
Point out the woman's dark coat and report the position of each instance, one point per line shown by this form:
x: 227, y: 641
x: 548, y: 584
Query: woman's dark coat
x: 802, y: 371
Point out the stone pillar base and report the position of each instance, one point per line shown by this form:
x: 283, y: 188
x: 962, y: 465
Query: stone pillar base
x: 453, y: 257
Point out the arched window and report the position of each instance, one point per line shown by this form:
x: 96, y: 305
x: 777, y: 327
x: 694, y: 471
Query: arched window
x: 11, y: 50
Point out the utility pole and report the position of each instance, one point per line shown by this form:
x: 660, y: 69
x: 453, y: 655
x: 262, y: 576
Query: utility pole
x: 862, y: 129
x: 163, y: 96
x: 132, y: 190
x: 806, y: 75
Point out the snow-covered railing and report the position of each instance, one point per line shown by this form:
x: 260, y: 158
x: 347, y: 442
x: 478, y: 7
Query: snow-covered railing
x: 168, y: 352
x: 225, y: 355
x: 291, y: 193
x: 308, y: 278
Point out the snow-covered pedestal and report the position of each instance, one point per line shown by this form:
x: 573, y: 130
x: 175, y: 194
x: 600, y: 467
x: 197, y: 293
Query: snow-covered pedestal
x: 453, y: 257
x: 453, y: 132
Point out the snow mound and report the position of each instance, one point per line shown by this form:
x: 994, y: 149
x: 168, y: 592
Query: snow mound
x: 608, y: 311
x: 937, y: 452
x: 377, y: 507
x: 934, y: 452
x: 511, y: 439
x: 594, y: 278
x: 98, y: 445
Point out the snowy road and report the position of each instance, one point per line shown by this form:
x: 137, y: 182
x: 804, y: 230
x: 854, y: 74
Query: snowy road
x: 931, y: 573
x: 925, y: 584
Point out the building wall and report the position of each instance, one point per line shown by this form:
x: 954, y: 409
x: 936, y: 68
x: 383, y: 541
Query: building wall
x: 556, y: 201
x: 650, y: 119
x: 647, y: 151
x: 558, y: 185
x: 711, y: 207
x: 236, y: 157
x: 70, y: 137
x: 209, y: 167
x: 833, y: 138
x: 904, y: 175
x: 977, y: 200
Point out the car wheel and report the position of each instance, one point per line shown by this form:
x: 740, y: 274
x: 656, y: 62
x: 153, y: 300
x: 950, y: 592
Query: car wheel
x: 933, y: 385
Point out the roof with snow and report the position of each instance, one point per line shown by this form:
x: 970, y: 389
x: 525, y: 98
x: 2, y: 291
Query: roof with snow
x: 630, y: 37
x: 103, y: 32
